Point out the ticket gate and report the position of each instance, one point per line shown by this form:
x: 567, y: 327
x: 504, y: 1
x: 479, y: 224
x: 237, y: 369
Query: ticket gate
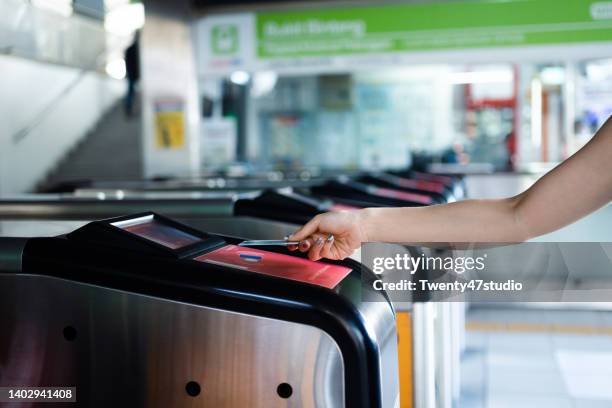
x: 279, y: 205
x: 211, y: 182
x: 454, y: 182
x: 286, y: 205
x: 104, y: 204
x: 421, y: 323
x: 353, y: 192
x: 212, y: 178
x: 270, y: 214
x: 144, y: 311
x: 439, y: 192
x: 214, y: 213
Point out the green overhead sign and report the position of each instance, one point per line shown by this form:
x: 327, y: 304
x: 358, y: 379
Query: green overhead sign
x: 420, y: 27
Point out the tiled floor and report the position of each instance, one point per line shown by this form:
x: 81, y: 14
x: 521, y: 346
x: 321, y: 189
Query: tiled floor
x: 537, y: 368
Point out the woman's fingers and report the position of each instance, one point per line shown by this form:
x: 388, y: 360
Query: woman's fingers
x: 305, y: 245
x: 307, y: 230
x: 326, y: 251
x: 318, y: 244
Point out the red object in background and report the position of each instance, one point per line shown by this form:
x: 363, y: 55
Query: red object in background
x: 278, y: 265
x: 402, y: 195
x: 512, y: 103
x: 343, y: 207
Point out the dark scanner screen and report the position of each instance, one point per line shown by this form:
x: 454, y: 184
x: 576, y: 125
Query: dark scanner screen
x: 156, y: 231
x: 279, y: 265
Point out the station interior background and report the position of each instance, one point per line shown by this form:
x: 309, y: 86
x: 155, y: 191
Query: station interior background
x: 501, y: 116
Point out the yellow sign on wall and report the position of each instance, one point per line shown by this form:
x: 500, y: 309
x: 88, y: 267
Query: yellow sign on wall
x: 169, y: 124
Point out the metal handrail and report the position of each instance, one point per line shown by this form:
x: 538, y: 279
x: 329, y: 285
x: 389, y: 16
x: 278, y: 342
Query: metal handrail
x: 45, y: 111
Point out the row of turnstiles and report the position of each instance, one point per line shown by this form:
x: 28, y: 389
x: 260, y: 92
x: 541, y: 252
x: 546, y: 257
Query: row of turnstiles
x: 138, y: 294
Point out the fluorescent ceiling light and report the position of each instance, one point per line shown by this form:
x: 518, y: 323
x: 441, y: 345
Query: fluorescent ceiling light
x: 553, y: 75
x: 240, y: 77
x: 263, y: 83
x: 125, y: 19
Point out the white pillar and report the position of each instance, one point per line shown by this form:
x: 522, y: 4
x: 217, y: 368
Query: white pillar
x: 168, y: 82
x: 569, y: 105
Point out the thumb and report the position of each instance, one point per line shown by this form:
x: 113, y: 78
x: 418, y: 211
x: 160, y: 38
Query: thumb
x: 307, y: 230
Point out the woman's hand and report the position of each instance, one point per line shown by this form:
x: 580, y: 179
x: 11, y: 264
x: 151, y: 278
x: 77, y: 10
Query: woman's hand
x: 332, y: 235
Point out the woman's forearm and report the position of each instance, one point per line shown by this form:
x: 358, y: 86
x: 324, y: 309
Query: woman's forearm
x: 465, y: 221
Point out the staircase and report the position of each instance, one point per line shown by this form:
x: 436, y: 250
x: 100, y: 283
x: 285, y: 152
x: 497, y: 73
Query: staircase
x: 110, y: 151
